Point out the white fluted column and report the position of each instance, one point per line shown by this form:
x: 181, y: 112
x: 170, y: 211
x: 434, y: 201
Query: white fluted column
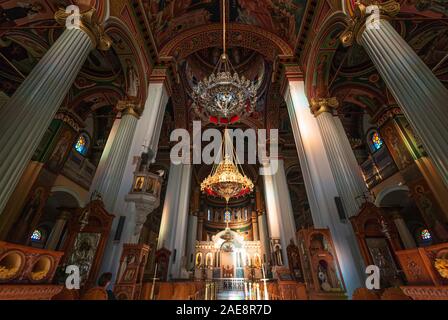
x: 346, y: 171
x: 157, y: 98
x: 255, y: 232
x: 178, y: 269
x: 287, y: 214
x: 264, y: 237
x: 274, y: 214
x: 157, y: 106
x: 319, y: 181
x: 191, y: 242
x: 173, y: 227
x: 403, y: 230
x: 109, y: 178
x: 170, y: 208
x: 420, y: 94
x: 27, y: 115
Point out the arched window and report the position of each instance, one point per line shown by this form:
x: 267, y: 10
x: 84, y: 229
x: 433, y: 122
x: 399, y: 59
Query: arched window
x: 209, y: 215
x: 82, y: 144
x: 227, y: 216
x: 36, y: 236
x: 376, y: 141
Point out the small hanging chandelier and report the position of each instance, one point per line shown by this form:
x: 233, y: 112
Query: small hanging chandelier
x: 224, y: 97
x: 226, y: 180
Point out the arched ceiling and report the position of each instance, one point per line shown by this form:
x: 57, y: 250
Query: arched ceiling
x: 348, y: 73
x: 169, y: 18
x: 190, y: 32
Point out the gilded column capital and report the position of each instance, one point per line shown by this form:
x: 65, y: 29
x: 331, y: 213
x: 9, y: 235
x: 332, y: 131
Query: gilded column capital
x: 357, y: 23
x: 90, y: 24
x: 321, y: 105
x: 129, y: 107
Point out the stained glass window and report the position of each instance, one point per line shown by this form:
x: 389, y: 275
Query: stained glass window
x: 81, y: 145
x: 227, y: 216
x: 377, y: 142
x: 36, y: 236
x: 425, y: 235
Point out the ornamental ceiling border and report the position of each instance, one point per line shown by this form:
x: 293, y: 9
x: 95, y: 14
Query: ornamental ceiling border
x: 266, y: 43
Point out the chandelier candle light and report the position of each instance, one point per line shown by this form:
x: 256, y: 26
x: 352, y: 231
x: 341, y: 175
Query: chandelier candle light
x: 224, y: 97
x: 226, y: 180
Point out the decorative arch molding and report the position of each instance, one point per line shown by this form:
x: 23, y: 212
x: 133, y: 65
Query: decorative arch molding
x: 292, y: 167
x: 115, y: 26
x: 361, y: 89
x: 383, y: 193
x: 110, y: 91
x: 266, y: 43
x: 73, y: 193
x: 314, y: 75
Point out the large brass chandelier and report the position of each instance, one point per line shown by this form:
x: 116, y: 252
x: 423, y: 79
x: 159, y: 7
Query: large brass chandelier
x: 224, y: 97
x: 226, y: 181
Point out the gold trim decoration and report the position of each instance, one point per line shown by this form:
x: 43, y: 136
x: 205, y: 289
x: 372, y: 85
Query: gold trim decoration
x: 227, y: 179
x: 90, y: 25
x: 357, y: 24
x: 129, y: 107
x: 321, y: 105
x: 441, y: 266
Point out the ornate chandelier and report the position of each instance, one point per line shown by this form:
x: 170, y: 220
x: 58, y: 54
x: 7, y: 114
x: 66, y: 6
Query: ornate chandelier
x: 225, y: 180
x: 224, y: 97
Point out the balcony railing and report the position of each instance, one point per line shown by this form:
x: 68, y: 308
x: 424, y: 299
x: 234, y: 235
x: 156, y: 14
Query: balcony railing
x: 378, y: 168
x: 79, y: 169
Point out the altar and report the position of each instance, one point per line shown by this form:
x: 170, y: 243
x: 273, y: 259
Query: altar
x: 227, y: 255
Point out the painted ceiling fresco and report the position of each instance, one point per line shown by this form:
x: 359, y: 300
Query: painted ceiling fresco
x: 169, y: 17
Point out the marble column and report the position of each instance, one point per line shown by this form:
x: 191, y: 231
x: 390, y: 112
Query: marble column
x: 274, y: 214
x: 287, y: 214
x: 159, y: 93
x: 319, y: 180
x: 157, y: 98
x: 346, y: 171
x: 193, y: 227
x: 173, y: 227
x: 110, y: 175
x: 200, y: 226
x: 255, y: 232
x: 403, y: 230
x: 264, y: 237
x: 170, y: 208
x: 57, y: 230
x: 26, y: 116
x: 419, y: 93
x: 178, y: 269
x: 191, y: 242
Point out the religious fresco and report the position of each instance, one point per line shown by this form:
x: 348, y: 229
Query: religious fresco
x: 19, y: 52
x: 430, y: 41
x: 62, y: 147
x: 14, y: 13
x: 432, y: 9
x: 282, y: 17
x: 168, y: 18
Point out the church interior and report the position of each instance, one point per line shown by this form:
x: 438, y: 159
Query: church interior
x: 347, y: 198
